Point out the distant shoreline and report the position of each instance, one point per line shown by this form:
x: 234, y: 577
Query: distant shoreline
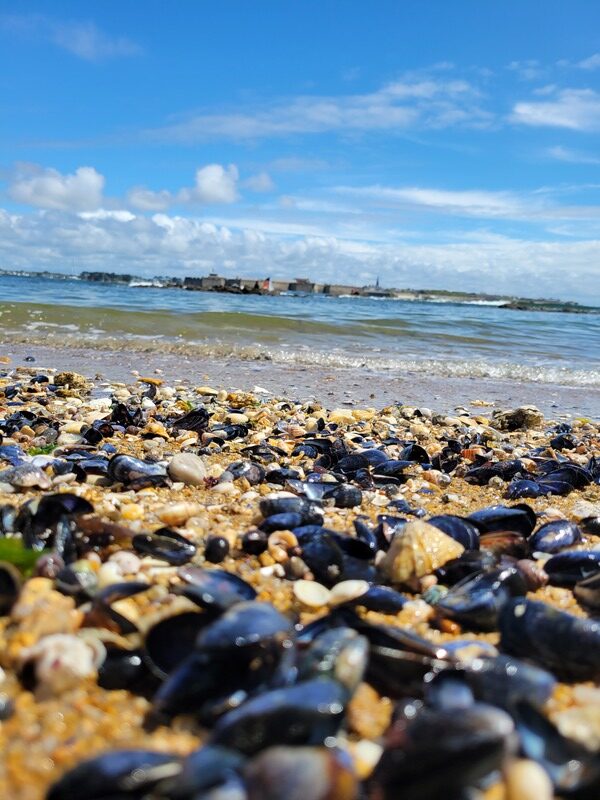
x: 300, y: 287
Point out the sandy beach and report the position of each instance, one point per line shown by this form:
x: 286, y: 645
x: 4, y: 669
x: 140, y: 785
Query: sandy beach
x: 332, y: 387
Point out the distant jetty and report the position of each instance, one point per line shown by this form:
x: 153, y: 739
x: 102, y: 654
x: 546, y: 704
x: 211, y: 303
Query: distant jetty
x: 301, y: 287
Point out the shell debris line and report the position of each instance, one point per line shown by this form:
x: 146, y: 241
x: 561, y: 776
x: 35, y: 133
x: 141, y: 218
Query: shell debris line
x: 208, y: 593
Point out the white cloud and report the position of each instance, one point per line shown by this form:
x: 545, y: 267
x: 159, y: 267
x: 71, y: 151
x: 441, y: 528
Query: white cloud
x: 566, y: 154
x: 261, y: 182
x: 147, y: 200
x: 416, y: 101
x: 164, y: 244
x: 574, y: 109
x: 214, y: 184
x: 527, y: 70
x: 471, y: 203
x: 81, y: 38
x: 48, y: 188
x: 593, y: 62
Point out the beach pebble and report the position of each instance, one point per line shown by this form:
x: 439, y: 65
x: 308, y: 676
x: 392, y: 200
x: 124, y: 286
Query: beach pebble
x: 526, y: 780
x: 583, y: 509
x: 178, y: 513
x: 207, y: 391
x: 347, y: 590
x: 187, y: 468
x: 311, y: 593
x: 62, y: 660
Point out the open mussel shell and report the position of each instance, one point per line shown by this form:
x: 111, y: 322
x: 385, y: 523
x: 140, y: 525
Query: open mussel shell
x: 171, y: 640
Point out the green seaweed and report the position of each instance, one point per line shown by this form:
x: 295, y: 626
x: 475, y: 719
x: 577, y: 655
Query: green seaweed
x: 41, y: 451
x: 14, y: 552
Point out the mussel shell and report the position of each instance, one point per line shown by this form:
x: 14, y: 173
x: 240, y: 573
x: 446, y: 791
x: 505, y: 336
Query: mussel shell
x: 125, y: 669
x: 568, y: 646
x: 503, y: 681
x: 587, y: 591
x: 127, y: 469
x: 310, y: 773
x: 570, y: 567
x: 204, y: 769
x: 311, y: 511
x: 171, y: 640
x: 166, y: 545
x: 477, y: 601
x: 440, y: 752
x: 214, y: 589
x: 461, y: 530
x: 554, y: 536
x: 519, y: 518
x: 10, y: 586
x: 305, y: 714
x: 468, y: 564
x: 112, y: 775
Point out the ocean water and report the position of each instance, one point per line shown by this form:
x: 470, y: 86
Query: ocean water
x: 397, y: 335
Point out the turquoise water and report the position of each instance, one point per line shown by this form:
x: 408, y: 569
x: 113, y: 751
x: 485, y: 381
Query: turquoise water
x: 446, y: 338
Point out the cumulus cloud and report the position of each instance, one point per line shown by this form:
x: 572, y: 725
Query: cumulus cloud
x: 574, y: 109
x: 415, y: 101
x: 214, y: 184
x: 48, y: 188
x: 177, y: 245
x: 80, y: 38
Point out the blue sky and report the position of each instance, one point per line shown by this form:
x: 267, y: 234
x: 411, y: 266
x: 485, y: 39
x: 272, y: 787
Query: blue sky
x: 433, y: 144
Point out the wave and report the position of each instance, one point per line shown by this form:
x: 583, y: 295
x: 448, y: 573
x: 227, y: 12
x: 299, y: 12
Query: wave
x: 309, y: 357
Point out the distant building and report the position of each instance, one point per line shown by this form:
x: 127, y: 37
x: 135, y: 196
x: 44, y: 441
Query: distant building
x: 338, y: 289
x: 302, y: 285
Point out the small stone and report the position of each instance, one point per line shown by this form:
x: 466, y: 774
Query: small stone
x: 527, y: 780
x: 341, y: 416
x: 417, y: 551
x: 207, y: 391
x: 217, y: 548
x: 187, y: 468
x: 311, y: 593
x: 71, y: 379
x: 583, y: 509
x: 522, y: 418
x: 237, y: 419
x: 179, y: 513
x: 348, y: 590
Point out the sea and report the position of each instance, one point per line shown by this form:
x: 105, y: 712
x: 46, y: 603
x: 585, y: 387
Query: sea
x: 467, y: 339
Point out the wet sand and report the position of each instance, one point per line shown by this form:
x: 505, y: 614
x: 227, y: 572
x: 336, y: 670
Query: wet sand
x: 332, y: 387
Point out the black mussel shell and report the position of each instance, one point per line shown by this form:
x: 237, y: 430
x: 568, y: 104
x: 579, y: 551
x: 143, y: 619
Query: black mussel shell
x: 214, y: 589
x: 519, y: 518
x: 554, y: 536
x: 461, y: 530
x: 570, y: 567
x: 166, y: 545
